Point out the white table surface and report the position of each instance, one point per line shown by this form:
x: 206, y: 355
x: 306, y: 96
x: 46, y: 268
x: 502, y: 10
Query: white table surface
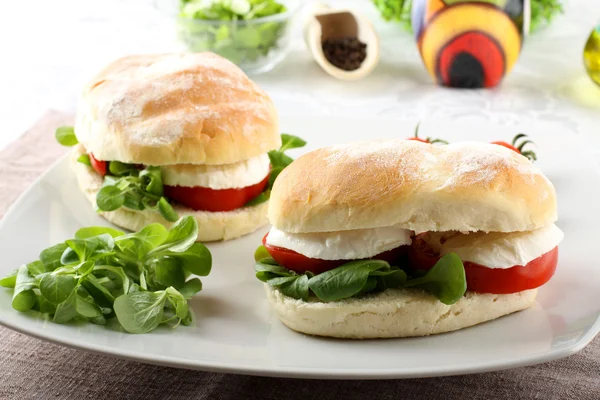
x: 49, y: 48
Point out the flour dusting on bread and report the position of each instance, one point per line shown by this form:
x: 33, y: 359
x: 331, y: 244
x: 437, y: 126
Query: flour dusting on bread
x: 462, y: 187
x: 165, y: 109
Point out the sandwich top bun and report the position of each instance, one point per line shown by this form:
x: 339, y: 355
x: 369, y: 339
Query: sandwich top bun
x: 175, y: 109
x: 458, y: 187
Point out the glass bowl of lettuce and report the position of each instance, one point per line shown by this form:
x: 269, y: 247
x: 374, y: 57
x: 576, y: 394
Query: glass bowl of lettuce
x: 254, y: 34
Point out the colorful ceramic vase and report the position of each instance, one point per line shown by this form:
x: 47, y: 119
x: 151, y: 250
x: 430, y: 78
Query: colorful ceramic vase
x: 470, y: 44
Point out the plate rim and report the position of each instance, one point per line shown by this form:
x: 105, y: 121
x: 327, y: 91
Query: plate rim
x: 316, y: 373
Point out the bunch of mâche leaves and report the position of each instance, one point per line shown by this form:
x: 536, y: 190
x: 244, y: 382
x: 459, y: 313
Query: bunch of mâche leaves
x: 102, y: 273
x: 239, y: 42
x: 542, y: 11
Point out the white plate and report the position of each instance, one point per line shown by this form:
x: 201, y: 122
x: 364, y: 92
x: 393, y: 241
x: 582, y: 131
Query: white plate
x: 236, y: 331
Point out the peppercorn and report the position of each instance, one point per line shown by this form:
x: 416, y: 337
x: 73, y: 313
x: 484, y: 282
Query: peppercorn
x: 346, y: 53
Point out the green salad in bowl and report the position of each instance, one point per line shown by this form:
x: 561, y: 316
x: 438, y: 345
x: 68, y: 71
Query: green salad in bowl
x: 253, y: 34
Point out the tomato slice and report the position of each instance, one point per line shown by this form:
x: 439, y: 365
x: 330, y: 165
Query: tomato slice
x: 491, y: 280
x: 511, y: 280
x: 207, y: 199
x: 300, y: 263
x: 99, y: 166
x: 508, y: 146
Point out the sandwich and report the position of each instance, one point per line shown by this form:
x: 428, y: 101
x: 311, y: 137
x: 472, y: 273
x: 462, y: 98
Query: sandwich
x: 398, y: 238
x: 162, y: 136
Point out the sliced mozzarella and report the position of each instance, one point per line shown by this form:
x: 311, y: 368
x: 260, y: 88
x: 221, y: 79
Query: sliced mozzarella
x: 343, y: 245
x: 228, y: 176
x: 497, y: 249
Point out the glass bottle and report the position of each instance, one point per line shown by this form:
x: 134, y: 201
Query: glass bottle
x: 591, y: 55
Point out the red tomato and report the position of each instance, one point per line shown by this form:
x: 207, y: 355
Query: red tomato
x: 492, y: 280
x: 99, y: 166
x: 508, y: 146
x: 418, y: 139
x: 207, y: 199
x: 300, y: 263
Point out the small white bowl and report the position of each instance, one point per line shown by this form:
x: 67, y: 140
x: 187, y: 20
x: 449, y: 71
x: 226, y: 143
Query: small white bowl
x: 319, y: 25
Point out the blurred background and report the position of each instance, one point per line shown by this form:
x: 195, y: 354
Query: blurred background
x: 50, y: 48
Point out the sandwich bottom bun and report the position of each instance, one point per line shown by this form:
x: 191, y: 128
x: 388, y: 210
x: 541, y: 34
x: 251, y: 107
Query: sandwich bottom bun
x: 212, y: 226
x: 393, y: 313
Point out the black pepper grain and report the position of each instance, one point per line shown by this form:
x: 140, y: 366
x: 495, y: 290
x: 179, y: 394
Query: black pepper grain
x: 347, y: 53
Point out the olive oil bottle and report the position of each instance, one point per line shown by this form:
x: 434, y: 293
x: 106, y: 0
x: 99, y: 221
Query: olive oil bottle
x: 591, y: 55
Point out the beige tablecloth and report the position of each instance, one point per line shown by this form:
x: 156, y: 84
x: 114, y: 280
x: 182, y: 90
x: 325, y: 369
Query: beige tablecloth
x: 30, y: 368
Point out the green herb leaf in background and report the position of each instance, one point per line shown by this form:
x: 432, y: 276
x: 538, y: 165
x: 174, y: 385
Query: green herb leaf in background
x: 238, y: 38
x: 280, y: 160
x: 291, y: 142
x: 542, y: 11
x: 84, y: 159
x: 65, y: 135
x: 395, y: 10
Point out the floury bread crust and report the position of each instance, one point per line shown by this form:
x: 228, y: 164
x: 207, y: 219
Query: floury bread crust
x: 393, y: 313
x: 462, y: 187
x: 212, y: 225
x: 163, y: 109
